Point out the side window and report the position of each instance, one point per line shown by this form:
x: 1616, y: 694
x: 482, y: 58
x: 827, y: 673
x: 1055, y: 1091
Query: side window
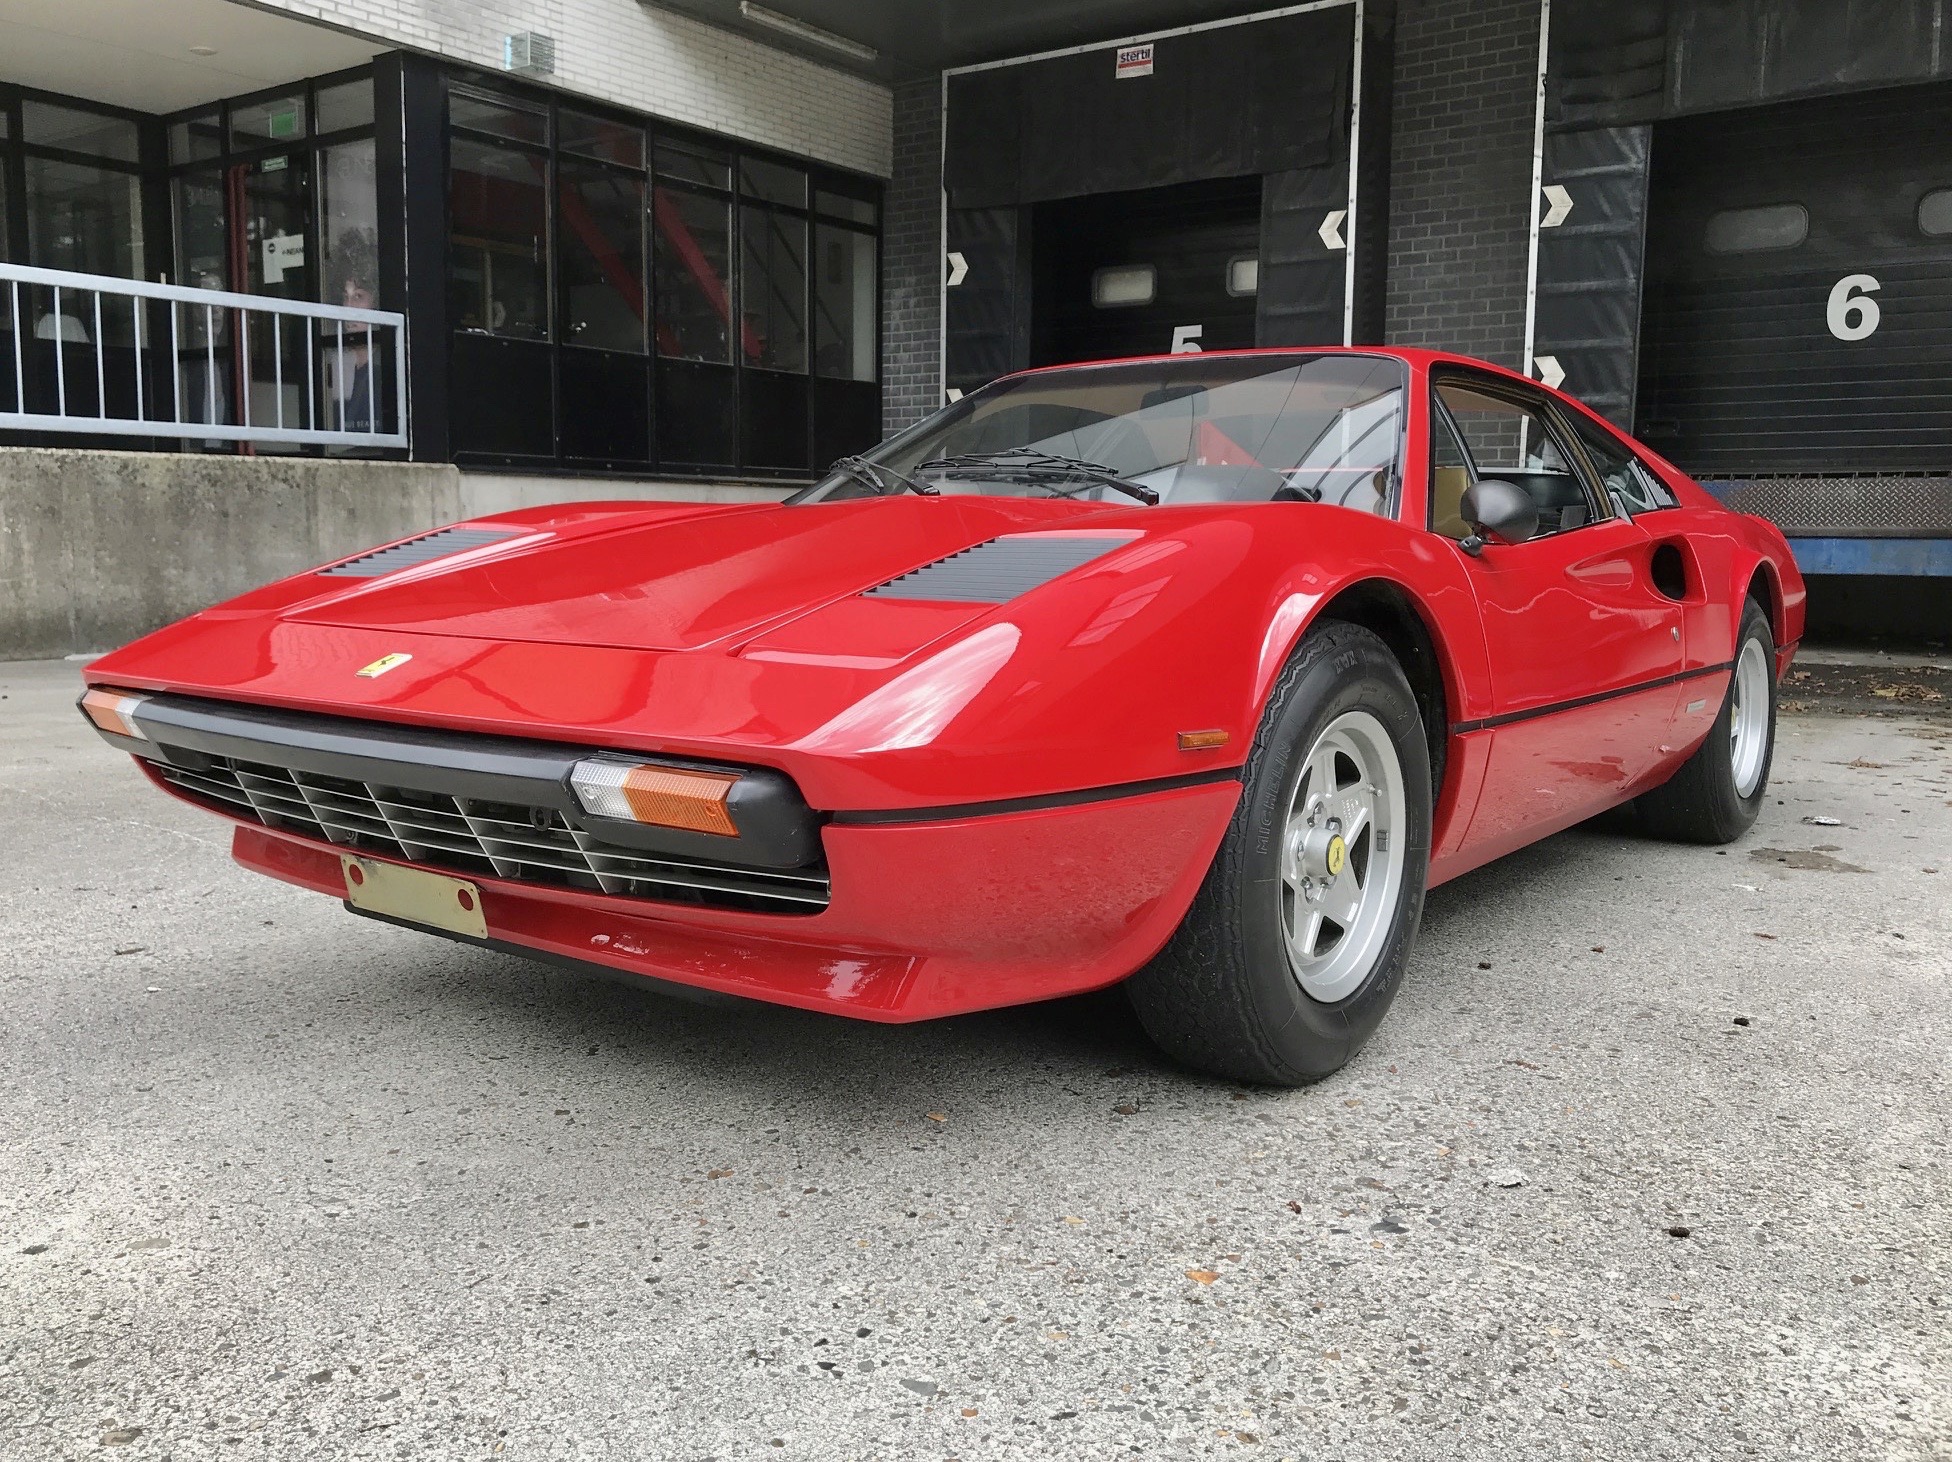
x: 1450, y: 474
x: 1508, y: 439
x: 1632, y: 488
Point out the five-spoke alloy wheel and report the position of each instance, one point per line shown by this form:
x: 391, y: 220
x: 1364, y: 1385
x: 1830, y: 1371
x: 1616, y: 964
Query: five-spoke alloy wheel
x: 1297, y: 940
x: 1341, y: 856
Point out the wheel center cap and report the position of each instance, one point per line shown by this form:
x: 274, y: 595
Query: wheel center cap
x: 1324, y: 854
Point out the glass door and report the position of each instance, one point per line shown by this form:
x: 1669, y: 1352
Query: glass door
x: 270, y: 235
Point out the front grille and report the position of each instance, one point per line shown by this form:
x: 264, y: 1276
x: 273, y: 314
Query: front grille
x: 469, y: 835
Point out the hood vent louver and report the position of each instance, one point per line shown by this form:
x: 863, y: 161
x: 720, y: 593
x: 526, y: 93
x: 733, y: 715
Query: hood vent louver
x: 416, y: 551
x: 999, y: 570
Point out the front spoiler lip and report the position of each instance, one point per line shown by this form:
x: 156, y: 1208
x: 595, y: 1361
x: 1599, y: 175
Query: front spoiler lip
x: 776, y: 827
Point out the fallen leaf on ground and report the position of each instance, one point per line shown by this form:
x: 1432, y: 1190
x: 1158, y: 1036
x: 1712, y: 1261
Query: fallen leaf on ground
x: 1202, y: 1276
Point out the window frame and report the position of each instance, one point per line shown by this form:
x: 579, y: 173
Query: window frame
x: 1600, y: 508
x: 1628, y: 449
x: 842, y: 185
x: 15, y: 150
x: 308, y: 145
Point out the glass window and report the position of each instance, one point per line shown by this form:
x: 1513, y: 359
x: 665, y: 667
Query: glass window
x: 1512, y: 441
x: 1751, y: 230
x: 601, y: 218
x: 1632, y: 488
x: 1232, y: 429
x: 618, y: 142
x: 498, y: 251
x: 1450, y: 475
x: 84, y: 218
x: 268, y: 120
x: 700, y: 165
x: 839, y: 205
x: 1935, y: 212
x: 349, y: 226
x: 1244, y: 275
x: 773, y: 182
x: 197, y: 202
x: 693, y: 235
x: 844, y: 304
x: 479, y: 112
x: 773, y: 290
x: 77, y: 131
x: 347, y: 105
x: 202, y: 262
x: 1124, y: 284
x: 197, y: 139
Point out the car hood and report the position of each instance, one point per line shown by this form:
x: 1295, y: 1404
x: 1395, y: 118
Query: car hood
x: 655, y: 581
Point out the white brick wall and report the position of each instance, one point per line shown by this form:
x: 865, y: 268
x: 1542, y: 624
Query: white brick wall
x: 650, y: 60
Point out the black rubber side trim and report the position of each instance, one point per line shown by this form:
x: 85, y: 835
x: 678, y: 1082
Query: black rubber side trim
x: 964, y: 810
x: 1461, y: 728
x: 776, y: 827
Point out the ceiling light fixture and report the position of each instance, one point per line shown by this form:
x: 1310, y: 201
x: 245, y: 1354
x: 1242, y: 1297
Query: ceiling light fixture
x: 813, y: 34
x: 203, y: 50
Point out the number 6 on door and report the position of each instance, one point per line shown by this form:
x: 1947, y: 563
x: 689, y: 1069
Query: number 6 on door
x: 1852, y: 313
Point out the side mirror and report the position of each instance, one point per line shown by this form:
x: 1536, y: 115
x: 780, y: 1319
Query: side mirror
x: 1499, y: 511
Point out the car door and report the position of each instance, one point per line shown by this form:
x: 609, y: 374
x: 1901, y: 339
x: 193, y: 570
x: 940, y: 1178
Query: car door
x: 1583, y: 647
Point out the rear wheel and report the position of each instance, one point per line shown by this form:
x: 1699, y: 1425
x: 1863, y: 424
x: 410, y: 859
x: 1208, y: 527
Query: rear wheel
x: 1297, y: 940
x: 1715, y: 796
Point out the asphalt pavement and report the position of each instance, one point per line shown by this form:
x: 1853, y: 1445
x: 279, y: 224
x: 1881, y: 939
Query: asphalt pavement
x: 1650, y: 1161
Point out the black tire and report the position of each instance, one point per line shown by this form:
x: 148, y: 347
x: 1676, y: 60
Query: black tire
x: 1222, y: 996
x: 1701, y: 802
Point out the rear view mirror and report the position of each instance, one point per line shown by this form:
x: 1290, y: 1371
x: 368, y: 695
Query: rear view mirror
x: 1499, y: 511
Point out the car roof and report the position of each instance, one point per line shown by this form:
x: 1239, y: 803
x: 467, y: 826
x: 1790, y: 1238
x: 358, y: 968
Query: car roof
x: 1415, y: 356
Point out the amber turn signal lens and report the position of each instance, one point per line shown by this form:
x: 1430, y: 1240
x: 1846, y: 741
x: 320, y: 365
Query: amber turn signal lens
x: 660, y: 796
x: 114, y: 711
x: 1202, y: 740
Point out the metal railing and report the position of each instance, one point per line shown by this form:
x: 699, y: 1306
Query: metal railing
x: 95, y: 355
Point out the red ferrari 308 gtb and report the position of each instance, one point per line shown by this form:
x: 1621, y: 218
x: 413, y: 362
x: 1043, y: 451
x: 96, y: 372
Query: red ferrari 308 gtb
x: 1191, y: 672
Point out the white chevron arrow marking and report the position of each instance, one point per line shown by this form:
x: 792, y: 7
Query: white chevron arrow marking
x: 1549, y: 369
x: 1558, y: 205
x: 958, y: 269
x: 1331, y: 229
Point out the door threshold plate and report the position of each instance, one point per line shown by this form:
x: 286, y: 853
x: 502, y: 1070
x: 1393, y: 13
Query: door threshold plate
x: 414, y: 895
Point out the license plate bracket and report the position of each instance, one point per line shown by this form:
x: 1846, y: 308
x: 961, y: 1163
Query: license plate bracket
x: 414, y: 895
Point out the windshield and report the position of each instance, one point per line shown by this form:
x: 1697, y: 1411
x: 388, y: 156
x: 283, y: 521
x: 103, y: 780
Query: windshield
x: 1223, y: 429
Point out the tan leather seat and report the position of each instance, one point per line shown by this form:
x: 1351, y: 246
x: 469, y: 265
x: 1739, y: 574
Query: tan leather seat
x: 1447, y: 486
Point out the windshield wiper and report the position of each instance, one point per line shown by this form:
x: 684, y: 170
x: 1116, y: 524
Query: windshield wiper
x: 878, y: 475
x: 1034, y: 465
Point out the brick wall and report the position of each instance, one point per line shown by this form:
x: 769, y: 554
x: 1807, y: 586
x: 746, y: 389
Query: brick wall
x: 912, y: 270
x: 650, y: 60
x: 1461, y: 175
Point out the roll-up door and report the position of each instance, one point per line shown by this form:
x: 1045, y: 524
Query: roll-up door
x: 1797, y: 319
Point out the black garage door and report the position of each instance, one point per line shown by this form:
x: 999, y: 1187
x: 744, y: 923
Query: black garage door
x: 1146, y: 272
x: 1797, y: 317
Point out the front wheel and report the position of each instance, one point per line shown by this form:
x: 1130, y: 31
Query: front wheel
x: 1715, y: 796
x: 1297, y: 940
